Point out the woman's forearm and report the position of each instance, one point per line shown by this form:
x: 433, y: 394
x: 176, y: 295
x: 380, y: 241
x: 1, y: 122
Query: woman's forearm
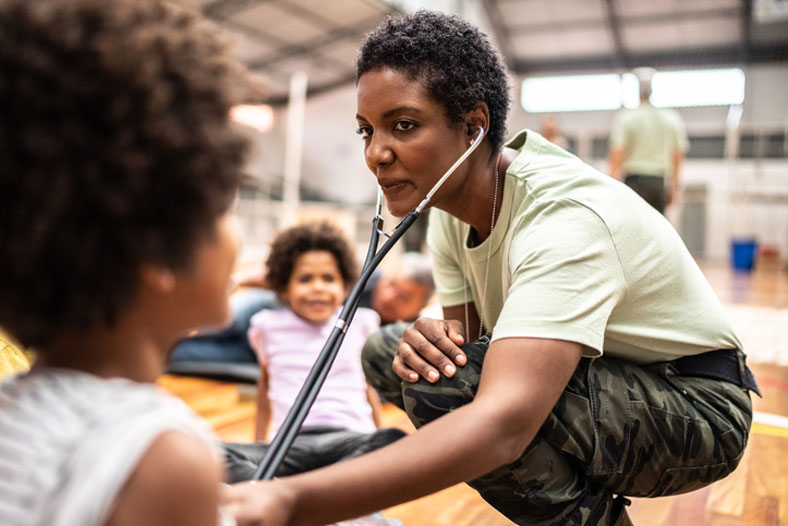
x: 521, y: 382
x: 457, y: 447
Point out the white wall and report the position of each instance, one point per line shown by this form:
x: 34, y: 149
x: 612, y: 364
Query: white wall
x: 333, y: 157
x: 764, y: 107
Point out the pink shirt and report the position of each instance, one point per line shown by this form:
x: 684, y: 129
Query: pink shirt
x: 287, y: 346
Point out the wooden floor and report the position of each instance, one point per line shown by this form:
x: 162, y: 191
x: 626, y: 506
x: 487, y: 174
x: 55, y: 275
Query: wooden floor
x: 756, y: 494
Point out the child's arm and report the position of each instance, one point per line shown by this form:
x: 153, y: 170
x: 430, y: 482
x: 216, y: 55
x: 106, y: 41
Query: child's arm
x: 374, y: 403
x: 263, y: 406
x: 175, y: 483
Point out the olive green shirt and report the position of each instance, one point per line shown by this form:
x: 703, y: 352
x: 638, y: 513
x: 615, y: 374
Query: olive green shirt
x: 578, y: 256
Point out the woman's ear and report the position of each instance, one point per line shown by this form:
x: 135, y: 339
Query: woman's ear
x: 477, y: 117
x: 157, y: 278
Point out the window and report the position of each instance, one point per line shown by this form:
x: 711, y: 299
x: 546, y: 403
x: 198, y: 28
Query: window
x: 571, y: 93
x: 711, y: 87
x: 774, y: 146
x: 762, y: 146
x: 599, y: 147
x: 706, y: 147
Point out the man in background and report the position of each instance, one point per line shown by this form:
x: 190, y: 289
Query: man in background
x: 647, y: 145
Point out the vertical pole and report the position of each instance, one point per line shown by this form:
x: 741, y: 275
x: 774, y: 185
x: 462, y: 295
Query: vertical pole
x: 293, y: 148
x: 738, y: 224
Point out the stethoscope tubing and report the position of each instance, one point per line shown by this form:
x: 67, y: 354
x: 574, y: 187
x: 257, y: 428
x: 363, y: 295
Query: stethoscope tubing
x: 319, y: 371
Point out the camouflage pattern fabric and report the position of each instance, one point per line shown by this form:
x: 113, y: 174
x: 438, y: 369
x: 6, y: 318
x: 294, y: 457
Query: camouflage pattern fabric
x: 376, y: 357
x: 618, y: 429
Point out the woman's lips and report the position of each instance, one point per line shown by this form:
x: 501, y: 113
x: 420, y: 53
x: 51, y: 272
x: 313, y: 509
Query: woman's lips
x: 390, y: 187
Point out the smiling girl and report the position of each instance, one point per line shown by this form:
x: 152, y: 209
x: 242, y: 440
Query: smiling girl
x: 310, y: 268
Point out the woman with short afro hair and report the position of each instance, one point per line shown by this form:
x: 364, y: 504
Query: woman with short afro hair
x: 609, y: 369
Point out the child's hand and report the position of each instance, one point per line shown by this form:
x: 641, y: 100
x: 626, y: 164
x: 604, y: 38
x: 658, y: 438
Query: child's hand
x: 267, y: 503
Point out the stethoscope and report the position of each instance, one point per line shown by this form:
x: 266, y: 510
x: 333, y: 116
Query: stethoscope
x: 317, y: 375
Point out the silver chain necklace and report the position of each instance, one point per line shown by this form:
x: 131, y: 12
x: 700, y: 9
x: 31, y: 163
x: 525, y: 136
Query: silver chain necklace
x: 486, y: 267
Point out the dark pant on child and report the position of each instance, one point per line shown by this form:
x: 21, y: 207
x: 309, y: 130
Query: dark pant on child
x: 312, y: 448
x: 619, y: 429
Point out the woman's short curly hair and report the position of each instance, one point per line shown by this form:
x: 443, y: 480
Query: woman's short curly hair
x: 452, y: 58
x: 115, y: 149
x: 291, y: 243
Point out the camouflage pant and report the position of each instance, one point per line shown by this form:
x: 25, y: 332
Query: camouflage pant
x: 618, y: 429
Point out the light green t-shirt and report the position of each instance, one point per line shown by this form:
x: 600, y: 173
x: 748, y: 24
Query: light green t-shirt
x: 649, y: 137
x: 578, y: 256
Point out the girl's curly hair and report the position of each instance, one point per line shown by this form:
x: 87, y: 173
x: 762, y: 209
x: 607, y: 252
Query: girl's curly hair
x: 291, y: 243
x: 115, y: 148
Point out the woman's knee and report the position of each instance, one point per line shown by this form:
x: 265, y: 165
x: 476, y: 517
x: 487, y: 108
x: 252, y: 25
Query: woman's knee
x: 376, y: 357
x: 425, y: 401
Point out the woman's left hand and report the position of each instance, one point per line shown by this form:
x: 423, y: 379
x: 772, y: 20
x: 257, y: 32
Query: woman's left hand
x: 429, y: 348
x: 267, y: 503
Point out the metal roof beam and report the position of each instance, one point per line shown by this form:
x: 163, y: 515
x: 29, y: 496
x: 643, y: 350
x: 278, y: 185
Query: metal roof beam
x: 221, y: 9
x: 615, y: 33
x: 314, y: 90
x: 703, y: 57
x: 746, y: 31
x: 309, y: 48
x: 500, y: 30
x: 656, y: 18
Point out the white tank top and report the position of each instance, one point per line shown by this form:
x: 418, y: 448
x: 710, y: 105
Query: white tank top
x: 70, y: 440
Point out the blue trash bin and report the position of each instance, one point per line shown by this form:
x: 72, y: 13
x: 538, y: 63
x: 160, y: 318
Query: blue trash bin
x: 743, y: 253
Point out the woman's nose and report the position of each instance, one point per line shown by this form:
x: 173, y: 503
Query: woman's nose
x: 379, y: 152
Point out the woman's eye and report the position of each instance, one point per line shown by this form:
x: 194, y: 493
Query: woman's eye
x: 364, y: 131
x: 404, y: 125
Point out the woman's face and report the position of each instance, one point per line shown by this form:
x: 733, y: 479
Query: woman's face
x: 408, y: 140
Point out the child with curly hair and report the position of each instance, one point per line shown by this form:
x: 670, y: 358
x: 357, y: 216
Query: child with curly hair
x: 118, y: 166
x: 310, y: 268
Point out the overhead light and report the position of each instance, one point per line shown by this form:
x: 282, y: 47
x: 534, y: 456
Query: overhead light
x: 257, y: 116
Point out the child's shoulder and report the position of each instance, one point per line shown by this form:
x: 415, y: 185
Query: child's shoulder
x: 94, y: 432
x: 80, y: 399
x: 275, y: 318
